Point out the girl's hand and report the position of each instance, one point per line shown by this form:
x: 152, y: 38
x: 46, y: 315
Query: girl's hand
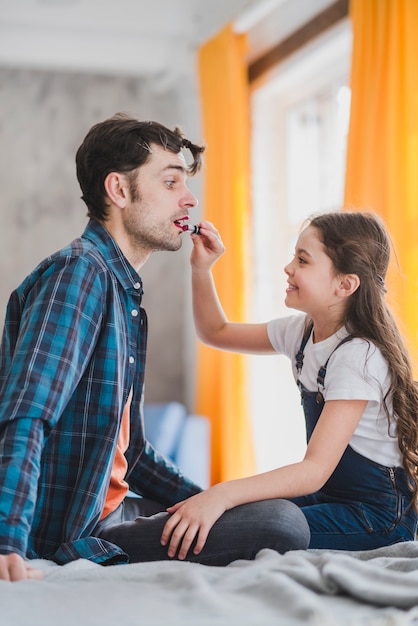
x: 207, y: 247
x: 192, y: 518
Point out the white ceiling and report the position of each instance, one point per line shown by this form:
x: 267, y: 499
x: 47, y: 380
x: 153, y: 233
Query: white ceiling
x: 136, y: 36
x: 193, y: 19
x: 112, y: 35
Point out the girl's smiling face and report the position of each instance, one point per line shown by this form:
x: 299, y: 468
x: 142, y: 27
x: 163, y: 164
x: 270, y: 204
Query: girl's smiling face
x: 312, y: 280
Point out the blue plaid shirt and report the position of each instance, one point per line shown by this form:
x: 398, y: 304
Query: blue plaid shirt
x: 73, y: 345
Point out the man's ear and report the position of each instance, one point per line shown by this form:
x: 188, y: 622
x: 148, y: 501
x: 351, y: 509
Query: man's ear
x: 347, y: 285
x: 116, y: 187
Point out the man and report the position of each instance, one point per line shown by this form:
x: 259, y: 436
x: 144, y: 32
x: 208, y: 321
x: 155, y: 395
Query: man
x: 72, y: 372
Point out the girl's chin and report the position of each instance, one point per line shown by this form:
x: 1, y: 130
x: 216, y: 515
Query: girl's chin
x: 291, y: 304
x: 289, y: 299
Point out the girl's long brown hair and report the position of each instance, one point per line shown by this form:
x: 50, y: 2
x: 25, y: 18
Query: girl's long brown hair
x: 358, y: 243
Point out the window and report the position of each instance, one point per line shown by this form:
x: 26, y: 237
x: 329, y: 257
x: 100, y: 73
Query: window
x: 299, y: 131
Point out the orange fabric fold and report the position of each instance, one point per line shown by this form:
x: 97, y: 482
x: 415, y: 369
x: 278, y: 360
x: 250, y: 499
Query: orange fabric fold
x: 221, y: 380
x: 382, y: 153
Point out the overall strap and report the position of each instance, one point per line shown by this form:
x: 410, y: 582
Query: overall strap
x: 299, y: 355
x: 323, y: 369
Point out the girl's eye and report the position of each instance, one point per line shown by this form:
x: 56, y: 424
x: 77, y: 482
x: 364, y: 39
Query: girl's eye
x: 301, y: 260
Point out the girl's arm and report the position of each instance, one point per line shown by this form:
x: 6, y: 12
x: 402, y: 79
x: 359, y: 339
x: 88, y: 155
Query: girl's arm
x: 212, y: 326
x: 195, y: 517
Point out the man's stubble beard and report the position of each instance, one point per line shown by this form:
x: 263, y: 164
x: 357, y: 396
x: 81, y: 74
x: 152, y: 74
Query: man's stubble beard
x: 148, y: 238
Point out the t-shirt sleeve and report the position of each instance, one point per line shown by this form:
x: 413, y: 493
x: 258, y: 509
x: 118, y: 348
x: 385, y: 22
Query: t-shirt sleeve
x: 356, y: 371
x: 285, y: 334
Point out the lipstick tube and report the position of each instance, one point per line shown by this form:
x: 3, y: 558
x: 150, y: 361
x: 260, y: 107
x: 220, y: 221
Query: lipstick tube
x: 192, y: 229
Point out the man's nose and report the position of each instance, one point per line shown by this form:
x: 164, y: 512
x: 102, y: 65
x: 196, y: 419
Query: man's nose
x: 190, y: 200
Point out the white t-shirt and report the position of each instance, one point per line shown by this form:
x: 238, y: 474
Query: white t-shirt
x: 356, y: 371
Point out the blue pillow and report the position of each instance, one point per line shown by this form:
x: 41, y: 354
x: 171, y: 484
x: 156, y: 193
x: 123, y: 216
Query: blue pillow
x: 163, y: 423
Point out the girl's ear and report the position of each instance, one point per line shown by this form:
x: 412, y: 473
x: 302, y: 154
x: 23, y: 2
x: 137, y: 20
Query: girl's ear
x: 116, y: 187
x: 347, y: 285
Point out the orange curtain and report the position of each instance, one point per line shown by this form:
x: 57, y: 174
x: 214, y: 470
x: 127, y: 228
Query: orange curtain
x: 382, y: 157
x: 221, y: 376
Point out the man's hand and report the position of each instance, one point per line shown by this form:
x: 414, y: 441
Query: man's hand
x: 190, y: 519
x: 13, y: 567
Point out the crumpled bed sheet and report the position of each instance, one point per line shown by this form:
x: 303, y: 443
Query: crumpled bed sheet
x: 318, y: 587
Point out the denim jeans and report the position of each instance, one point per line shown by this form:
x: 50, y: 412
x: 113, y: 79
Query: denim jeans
x: 356, y: 525
x: 362, y: 506
x: 240, y: 533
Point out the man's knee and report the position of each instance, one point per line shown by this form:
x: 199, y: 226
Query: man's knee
x: 276, y: 524
x: 289, y: 524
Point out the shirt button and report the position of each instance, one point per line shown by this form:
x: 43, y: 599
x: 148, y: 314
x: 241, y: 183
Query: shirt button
x: 137, y: 285
x: 131, y: 359
x: 134, y: 313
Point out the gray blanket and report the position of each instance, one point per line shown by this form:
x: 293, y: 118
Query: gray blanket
x: 322, y: 588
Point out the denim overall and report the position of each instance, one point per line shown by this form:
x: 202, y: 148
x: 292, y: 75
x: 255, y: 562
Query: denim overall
x: 363, y: 505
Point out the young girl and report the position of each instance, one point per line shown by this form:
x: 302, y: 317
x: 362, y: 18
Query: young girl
x: 357, y: 483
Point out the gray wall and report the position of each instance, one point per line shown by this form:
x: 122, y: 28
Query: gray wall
x: 44, y: 116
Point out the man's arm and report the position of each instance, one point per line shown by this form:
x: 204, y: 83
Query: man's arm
x: 42, y: 357
x: 20, y: 451
x: 157, y: 478
x: 20, y: 441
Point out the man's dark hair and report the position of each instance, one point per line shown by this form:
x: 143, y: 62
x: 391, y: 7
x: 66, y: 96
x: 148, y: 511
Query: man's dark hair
x: 122, y: 144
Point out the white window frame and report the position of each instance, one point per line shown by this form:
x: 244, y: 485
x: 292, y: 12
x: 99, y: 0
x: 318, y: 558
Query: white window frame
x: 276, y: 413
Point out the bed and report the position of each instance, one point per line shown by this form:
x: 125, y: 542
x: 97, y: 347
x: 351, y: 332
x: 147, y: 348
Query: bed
x: 318, y: 587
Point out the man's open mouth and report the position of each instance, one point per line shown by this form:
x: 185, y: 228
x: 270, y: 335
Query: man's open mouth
x: 182, y: 223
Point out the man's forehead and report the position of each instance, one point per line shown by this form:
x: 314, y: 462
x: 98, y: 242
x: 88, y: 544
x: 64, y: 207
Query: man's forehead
x: 167, y: 158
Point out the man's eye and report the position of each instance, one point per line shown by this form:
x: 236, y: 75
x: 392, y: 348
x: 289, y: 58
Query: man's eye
x: 169, y: 183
